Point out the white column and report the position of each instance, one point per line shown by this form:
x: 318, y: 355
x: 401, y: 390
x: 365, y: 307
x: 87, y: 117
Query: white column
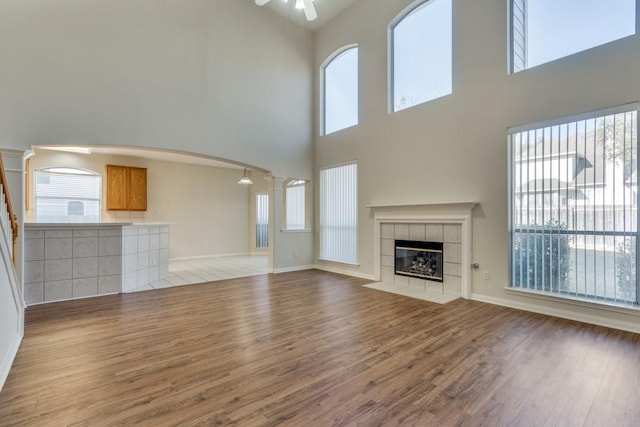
x: 276, y: 203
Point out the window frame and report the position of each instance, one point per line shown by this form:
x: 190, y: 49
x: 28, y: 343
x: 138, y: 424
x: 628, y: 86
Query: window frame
x: 510, y: 43
x: 320, y: 215
x: 391, y: 54
x: 323, y: 93
x: 295, y: 183
x: 603, y: 301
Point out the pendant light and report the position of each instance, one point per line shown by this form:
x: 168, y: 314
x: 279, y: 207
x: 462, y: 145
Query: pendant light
x: 245, y: 180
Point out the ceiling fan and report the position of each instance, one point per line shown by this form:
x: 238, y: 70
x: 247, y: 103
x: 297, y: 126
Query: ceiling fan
x: 307, y: 5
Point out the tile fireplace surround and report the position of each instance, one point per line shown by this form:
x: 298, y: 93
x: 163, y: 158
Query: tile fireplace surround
x: 449, y: 223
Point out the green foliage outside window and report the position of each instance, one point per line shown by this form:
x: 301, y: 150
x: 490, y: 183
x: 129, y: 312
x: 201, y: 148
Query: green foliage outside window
x: 541, y: 258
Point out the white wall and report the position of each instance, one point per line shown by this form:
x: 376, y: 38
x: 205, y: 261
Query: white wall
x: 456, y: 146
x: 207, y: 209
x: 218, y: 77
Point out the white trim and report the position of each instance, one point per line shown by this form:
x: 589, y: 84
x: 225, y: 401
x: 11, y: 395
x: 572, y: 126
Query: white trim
x: 295, y: 230
x: 18, y: 304
x: 7, y: 361
x: 577, y: 301
x: 86, y: 297
x: 350, y: 264
x: 343, y: 271
x: 554, y: 312
x: 290, y: 269
x: 187, y: 258
x: 454, y: 204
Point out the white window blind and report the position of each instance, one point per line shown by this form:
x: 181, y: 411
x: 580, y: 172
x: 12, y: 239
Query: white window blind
x: 67, y: 195
x: 574, y: 212
x: 294, y: 210
x: 339, y: 214
x: 262, y: 220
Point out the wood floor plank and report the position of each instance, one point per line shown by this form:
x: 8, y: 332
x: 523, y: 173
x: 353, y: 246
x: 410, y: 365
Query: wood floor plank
x: 316, y: 349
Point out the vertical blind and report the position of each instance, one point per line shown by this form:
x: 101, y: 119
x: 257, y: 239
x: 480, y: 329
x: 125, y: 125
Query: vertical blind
x: 339, y: 214
x: 262, y: 220
x: 67, y: 195
x: 294, y: 201
x: 574, y: 207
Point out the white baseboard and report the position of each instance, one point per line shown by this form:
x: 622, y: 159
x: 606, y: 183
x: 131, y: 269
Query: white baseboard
x: 290, y: 269
x: 346, y: 272
x: 580, y: 317
x: 187, y: 258
x: 7, y: 361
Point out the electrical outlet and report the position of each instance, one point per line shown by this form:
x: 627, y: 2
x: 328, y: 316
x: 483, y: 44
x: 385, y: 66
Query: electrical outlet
x: 485, y: 275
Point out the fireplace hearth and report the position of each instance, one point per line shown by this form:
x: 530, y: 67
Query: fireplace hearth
x: 419, y: 259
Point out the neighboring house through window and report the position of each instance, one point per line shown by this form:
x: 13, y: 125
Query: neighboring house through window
x: 573, y: 207
x: 546, y: 30
x: 421, y: 54
x: 340, y: 90
x: 67, y: 195
x: 339, y: 214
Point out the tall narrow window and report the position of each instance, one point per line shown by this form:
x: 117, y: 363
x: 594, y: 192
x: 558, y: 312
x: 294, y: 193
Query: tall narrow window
x: 67, y: 195
x: 340, y: 86
x: 294, y: 209
x: 421, y: 54
x: 339, y: 214
x: 262, y: 220
x: 574, y: 211
x: 546, y: 30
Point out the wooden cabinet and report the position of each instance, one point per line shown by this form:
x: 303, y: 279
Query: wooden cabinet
x: 126, y: 188
x: 137, y: 194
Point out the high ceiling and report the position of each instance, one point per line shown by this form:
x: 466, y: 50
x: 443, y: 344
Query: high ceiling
x: 327, y: 10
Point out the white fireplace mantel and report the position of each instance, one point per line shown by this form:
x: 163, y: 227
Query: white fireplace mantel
x: 457, y: 212
x: 461, y: 206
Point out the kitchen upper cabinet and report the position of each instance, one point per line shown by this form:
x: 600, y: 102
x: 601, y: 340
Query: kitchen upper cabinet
x: 126, y: 188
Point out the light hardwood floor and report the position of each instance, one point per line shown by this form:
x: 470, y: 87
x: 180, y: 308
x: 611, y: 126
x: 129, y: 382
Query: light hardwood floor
x: 314, y: 349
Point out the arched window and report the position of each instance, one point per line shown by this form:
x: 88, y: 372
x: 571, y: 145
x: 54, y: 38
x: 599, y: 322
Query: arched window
x: 421, y: 54
x: 340, y: 90
x: 67, y: 195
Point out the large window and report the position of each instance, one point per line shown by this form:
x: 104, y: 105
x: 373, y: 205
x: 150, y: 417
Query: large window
x: 421, y: 52
x: 545, y: 30
x: 574, y: 211
x: 67, y: 195
x: 339, y: 214
x: 295, y: 205
x: 340, y: 86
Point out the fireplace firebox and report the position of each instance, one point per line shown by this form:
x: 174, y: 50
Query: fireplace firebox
x: 418, y: 259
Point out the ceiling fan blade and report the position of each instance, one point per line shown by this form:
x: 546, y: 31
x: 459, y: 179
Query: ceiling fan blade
x: 309, y: 10
x: 262, y: 2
